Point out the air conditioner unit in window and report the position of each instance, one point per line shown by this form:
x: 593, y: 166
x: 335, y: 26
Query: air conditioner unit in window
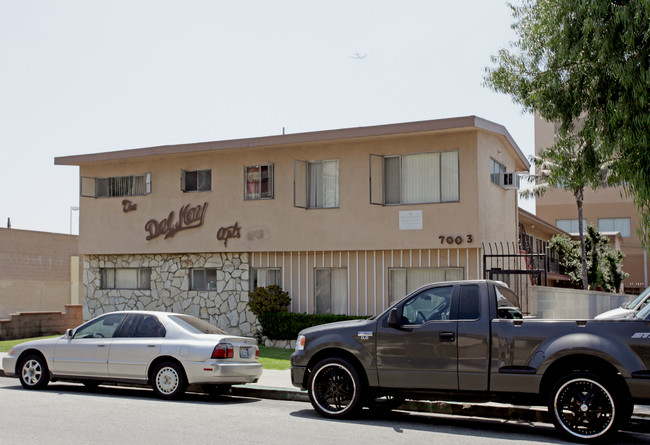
x: 510, y: 181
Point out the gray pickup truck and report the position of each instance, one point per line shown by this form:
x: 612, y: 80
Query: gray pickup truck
x: 467, y: 341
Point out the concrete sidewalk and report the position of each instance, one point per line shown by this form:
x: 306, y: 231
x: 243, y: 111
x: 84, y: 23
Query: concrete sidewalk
x: 277, y: 385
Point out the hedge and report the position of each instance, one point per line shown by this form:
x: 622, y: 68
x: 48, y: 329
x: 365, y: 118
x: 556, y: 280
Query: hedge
x: 286, y: 325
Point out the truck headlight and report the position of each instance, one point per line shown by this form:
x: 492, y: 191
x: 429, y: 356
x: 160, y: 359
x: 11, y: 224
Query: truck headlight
x: 300, y: 343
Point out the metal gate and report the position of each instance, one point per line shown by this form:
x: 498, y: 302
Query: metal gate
x: 518, y: 268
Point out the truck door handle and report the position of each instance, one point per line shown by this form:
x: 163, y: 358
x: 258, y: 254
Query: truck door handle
x: 447, y: 336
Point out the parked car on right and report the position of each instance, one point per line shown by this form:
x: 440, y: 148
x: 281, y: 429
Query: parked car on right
x: 627, y: 310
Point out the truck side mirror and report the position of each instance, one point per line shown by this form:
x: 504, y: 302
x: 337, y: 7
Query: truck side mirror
x: 392, y: 318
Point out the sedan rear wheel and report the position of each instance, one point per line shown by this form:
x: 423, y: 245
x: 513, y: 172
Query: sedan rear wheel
x: 335, y: 388
x: 169, y: 381
x: 34, y: 373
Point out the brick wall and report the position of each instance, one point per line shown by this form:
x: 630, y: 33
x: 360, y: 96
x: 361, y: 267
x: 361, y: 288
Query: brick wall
x: 38, y: 324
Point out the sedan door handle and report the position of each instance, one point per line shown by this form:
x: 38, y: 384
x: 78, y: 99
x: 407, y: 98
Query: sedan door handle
x: 101, y: 345
x: 447, y: 336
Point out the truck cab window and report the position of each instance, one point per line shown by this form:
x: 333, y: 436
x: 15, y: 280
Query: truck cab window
x: 430, y: 304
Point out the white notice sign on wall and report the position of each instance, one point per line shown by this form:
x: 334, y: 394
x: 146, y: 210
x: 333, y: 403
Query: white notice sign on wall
x: 410, y: 220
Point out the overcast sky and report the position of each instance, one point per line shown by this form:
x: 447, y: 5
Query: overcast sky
x: 88, y: 76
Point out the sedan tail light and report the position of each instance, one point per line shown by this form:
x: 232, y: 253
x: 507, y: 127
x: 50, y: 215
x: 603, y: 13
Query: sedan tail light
x: 223, y: 350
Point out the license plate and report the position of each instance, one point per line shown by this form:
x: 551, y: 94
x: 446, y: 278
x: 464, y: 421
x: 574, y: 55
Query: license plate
x: 244, y: 352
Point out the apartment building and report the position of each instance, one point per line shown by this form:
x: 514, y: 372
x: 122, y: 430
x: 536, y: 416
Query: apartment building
x: 346, y: 220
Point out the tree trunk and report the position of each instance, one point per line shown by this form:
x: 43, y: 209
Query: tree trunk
x: 579, y: 195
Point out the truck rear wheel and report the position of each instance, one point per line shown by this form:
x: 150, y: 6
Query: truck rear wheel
x: 335, y: 388
x: 587, y: 407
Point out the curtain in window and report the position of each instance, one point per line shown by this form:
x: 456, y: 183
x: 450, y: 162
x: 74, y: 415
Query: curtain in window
x: 198, y: 279
x: 252, y: 183
x: 421, y: 178
x: 126, y: 278
x: 331, y: 288
x: 323, y: 184
x: 397, y: 285
x: 339, y: 289
x: 323, y: 291
x: 419, y: 277
x: 449, y: 176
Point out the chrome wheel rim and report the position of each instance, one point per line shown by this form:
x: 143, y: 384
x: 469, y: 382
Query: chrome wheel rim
x: 32, y: 372
x: 584, y: 408
x: 333, y: 389
x: 167, y: 380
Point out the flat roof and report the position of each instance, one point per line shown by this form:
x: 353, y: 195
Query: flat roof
x: 449, y: 124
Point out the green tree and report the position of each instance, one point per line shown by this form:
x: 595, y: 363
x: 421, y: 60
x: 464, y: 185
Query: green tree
x: 603, y: 262
x: 586, y: 61
x: 572, y: 164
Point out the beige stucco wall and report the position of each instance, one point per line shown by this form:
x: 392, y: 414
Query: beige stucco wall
x: 276, y: 225
x: 36, y: 270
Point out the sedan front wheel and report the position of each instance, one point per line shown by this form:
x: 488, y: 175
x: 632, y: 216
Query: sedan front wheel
x: 34, y: 373
x: 169, y: 381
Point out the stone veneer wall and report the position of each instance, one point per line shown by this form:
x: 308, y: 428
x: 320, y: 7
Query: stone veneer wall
x: 224, y: 306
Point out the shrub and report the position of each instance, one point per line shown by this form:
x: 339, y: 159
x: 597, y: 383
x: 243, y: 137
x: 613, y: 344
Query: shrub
x: 268, y: 299
x: 287, y: 325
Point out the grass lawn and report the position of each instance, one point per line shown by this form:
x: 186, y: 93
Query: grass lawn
x: 270, y: 358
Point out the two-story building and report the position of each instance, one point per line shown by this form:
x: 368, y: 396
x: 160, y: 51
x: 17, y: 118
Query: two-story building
x: 346, y: 221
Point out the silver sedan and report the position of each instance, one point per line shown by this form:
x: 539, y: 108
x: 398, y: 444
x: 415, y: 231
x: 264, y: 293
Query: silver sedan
x: 165, y: 350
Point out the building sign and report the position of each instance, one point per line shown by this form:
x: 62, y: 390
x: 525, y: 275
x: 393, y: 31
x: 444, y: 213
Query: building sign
x: 225, y: 233
x: 129, y: 206
x: 188, y: 218
x: 410, y: 220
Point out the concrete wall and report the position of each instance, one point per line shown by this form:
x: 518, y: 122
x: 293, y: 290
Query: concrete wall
x: 38, y: 324
x: 557, y: 303
x: 39, y: 271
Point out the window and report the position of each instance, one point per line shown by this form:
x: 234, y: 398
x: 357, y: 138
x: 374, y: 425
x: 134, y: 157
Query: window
x: 139, y: 325
x: 428, y: 305
x: 316, y: 184
x: 402, y: 281
x: 102, y: 327
x: 569, y: 225
x: 496, y: 170
x: 469, y: 307
x: 331, y: 290
x: 196, y: 181
x: 126, y: 278
x: 137, y: 185
x: 263, y: 277
x: 203, y: 279
x: 415, y: 178
x: 258, y: 182
x: 615, y: 225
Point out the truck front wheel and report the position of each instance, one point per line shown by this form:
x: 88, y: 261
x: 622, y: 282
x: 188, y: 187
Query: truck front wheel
x: 335, y: 388
x: 587, y: 407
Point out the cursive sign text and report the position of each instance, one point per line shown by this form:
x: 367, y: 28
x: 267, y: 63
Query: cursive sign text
x: 188, y: 218
x: 225, y: 233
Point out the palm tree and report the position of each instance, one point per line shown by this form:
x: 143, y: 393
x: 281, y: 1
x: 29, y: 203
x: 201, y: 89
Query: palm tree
x: 573, y: 163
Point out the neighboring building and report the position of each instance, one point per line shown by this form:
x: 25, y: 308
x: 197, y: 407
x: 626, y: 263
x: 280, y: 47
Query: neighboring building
x: 39, y: 271
x: 346, y: 221
x: 610, y: 209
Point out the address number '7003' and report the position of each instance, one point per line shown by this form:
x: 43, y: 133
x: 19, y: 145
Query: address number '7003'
x: 458, y: 239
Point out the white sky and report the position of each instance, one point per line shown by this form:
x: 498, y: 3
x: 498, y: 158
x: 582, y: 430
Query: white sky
x: 88, y: 76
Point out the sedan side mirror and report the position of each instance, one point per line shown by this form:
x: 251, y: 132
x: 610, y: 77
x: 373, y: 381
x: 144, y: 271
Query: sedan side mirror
x: 69, y: 333
x: 392, y: 318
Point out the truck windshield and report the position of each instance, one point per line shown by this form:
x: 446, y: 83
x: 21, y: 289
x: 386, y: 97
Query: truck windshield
x: 506, y: 297
x: 634, y: 303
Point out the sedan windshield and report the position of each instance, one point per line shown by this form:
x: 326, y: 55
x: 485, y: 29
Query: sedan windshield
x: 195, y: 325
